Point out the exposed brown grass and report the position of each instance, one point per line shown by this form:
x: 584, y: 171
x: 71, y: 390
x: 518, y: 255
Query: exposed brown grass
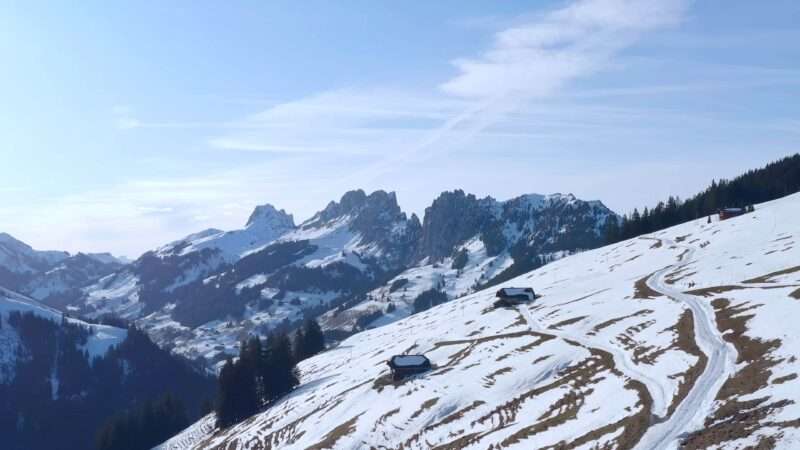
x: 492, y: 377
x: 522, y: 349
x: 795, y: 295
x: 713, y: 290
x: 735, y: 418
x: 426, y: 405
x: 471, y: 344
x: 685, y: 341
x: 644, y: 292
x: 567, y: 322
x: 784, y: 379
x: 768, y: 277
x: 382, y: 419
x: 675, y: 279
x: 580, y: 379
x: 599, y: 327
x: 330, y: 440
x: 658, y: 242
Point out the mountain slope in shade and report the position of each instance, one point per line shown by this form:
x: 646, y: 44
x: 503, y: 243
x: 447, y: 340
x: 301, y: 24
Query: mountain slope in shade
x: 680, y: 337
x: 61, y: 378
x: 101, y: 338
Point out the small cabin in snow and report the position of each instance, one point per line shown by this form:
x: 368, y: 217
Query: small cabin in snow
x: 514, y: 296
x: 406, y: 365
x: 729, y: 213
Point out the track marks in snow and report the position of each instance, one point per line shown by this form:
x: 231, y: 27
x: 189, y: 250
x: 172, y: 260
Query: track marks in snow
x: 697, y: 404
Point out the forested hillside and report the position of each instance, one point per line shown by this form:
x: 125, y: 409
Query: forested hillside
x: 775, y: 180
x: 58, y: 386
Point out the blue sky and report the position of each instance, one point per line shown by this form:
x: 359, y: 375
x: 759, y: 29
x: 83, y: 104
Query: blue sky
x: 126, y: 125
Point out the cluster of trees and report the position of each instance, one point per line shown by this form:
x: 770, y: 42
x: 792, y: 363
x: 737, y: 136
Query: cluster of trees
x: 774, y: 181
x: 264, y: 372
x: 428, y: 299
x: 144, y: 427
x: 58, y: 397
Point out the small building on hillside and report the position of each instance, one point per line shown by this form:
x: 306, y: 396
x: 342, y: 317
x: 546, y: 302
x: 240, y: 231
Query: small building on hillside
x: 406, y: 365
x: 514, y: 296
x: 729, y: 213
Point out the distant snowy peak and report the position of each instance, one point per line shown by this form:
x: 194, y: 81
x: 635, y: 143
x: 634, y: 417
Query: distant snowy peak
x: 355, y: 203
x: 268, y: 217
x: 377, y: 224
x: 108, y: 258
x: 265, y: 225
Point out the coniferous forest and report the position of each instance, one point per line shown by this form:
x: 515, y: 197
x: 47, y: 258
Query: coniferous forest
x: 60, y: 398
x: 264, y: 372
x: 771, y: 182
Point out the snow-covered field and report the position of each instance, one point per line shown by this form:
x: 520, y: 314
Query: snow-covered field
x: 683, y: 336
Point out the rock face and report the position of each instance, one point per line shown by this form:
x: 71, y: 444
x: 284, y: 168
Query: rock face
x: 452, y: 219
x: 467, y: 243
x: 267, y: 218
x: 199, y: 295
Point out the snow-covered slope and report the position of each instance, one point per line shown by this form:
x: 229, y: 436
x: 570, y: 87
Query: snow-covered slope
x: 102, y: 337
x: 683, y: 337
x: 266, y: 223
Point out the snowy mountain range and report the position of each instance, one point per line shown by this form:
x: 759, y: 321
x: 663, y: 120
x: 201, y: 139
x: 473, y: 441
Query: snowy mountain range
x: 682, y: 338
x: 358, y: 263
x: 53, y: 277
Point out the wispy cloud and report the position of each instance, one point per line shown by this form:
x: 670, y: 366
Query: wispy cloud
x: 539, y: 58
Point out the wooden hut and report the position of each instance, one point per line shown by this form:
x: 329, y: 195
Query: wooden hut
x: 406, y: 365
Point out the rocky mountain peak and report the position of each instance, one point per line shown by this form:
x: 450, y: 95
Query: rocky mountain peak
x: 453, y: 218
x: 267, y: 216
x: 359, y: 206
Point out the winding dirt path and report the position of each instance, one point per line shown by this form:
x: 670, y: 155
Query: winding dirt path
x: 697, y: 405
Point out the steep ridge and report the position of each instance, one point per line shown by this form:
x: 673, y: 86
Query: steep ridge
x: 622, y: 350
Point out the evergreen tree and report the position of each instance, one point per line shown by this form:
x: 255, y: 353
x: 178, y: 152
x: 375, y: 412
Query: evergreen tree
x: 226, y: 397
x: 279, y: 365
x: 299, y: 345
x: 314, y: 341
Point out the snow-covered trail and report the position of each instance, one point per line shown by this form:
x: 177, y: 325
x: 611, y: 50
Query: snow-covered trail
x: 622, y: 361
x: 721, y: 362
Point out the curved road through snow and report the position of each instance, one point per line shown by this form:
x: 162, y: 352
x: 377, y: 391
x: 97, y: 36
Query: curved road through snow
x: 697, y: 405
